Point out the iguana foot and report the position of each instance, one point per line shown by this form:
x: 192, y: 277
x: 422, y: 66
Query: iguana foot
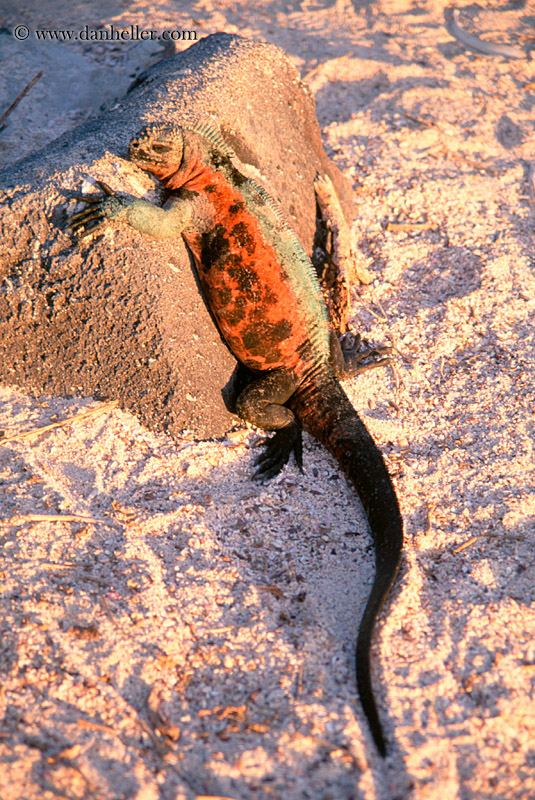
x: 102, y: 207
x: 277, y: 451
x: 356, y: 361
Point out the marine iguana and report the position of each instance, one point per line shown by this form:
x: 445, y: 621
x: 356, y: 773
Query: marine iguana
x: 265, y: 297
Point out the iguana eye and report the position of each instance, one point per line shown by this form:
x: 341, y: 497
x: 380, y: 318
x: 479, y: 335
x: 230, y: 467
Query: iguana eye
x: 161, y: 148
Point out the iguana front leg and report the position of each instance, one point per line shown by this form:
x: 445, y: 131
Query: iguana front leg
x: 145, y: 217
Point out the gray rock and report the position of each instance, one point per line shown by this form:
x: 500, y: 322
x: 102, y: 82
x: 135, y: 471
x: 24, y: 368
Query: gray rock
x: 120, y: 316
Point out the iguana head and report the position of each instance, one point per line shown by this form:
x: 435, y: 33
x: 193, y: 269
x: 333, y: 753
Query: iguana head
x: 158, y: 148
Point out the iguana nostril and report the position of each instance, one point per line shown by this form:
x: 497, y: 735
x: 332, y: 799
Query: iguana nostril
x: 136, y: 151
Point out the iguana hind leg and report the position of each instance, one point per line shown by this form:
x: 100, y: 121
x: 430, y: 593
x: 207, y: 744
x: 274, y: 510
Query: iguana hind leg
x: 262, y: 404
x: 347, y: 359
x: 344, y: 267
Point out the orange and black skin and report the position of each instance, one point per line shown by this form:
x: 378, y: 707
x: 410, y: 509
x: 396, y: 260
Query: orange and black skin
x: 264, y: 295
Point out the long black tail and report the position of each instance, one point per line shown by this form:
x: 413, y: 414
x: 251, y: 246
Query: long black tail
x: 325, y: 411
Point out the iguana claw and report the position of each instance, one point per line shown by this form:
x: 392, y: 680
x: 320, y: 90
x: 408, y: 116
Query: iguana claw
x: 357, y: 360
x: 277, y: 451
x: 102, y: 207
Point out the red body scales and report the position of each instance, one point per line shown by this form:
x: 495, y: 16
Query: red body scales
x: 246, y: 285
x: 264, y: 314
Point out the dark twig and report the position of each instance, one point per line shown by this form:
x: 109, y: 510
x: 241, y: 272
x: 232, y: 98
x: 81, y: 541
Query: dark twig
x: 531, y: 184
x: 410, y: 226
x: 17, y: 100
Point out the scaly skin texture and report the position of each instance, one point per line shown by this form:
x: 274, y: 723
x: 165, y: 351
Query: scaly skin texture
x: 264, y: 295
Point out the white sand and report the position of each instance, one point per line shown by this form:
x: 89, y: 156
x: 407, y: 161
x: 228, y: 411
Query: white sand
x: 195, y: 638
